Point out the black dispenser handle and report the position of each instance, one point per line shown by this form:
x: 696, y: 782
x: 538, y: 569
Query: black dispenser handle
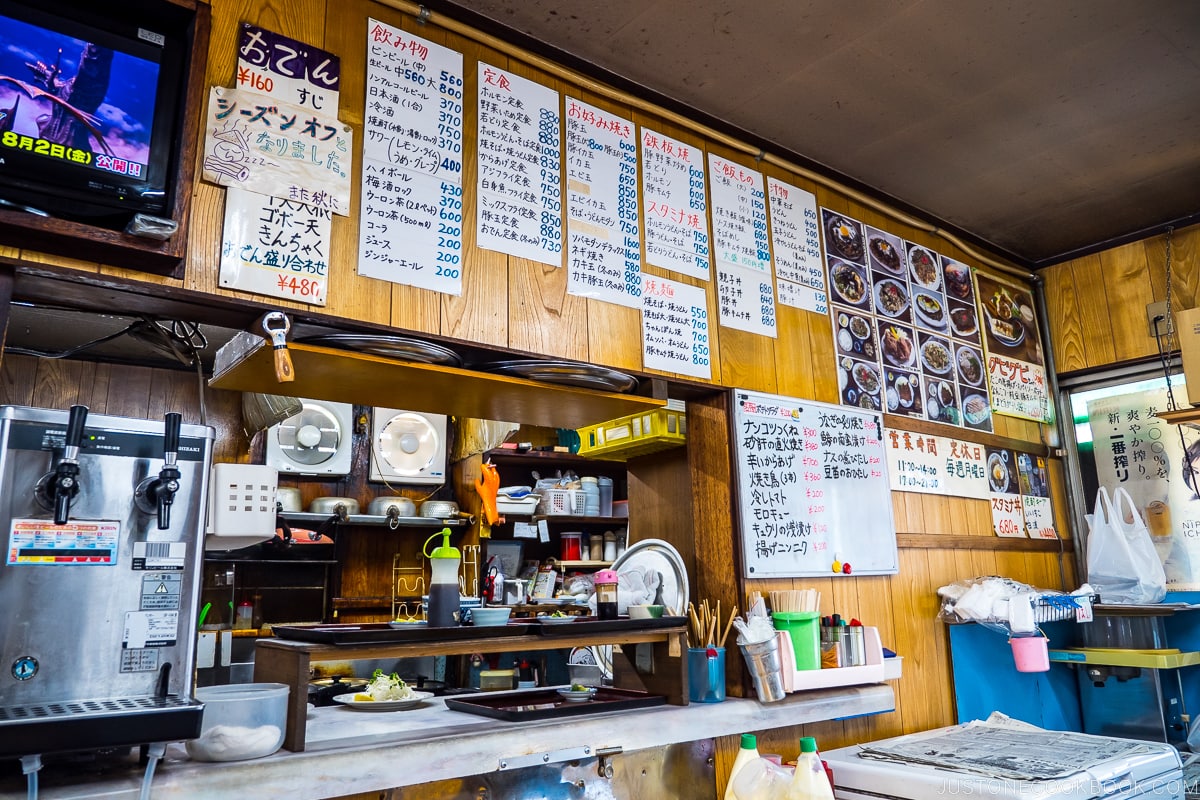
x: 66, y: 473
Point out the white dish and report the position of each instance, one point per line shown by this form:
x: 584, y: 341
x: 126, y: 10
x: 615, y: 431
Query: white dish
x: 893, y: 288
x: 555, y: 620
x: 382, y: 705
x: 402, y: 624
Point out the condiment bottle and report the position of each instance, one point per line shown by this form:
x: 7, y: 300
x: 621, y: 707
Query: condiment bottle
x: 610, y: 546
x: 443, y: 584
x: 747, y: 752
x: 606, y: 594
x: 809, y: 781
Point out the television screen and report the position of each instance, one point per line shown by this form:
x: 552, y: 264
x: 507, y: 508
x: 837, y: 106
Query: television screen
x: 75, y: 101
x: 88, y: 108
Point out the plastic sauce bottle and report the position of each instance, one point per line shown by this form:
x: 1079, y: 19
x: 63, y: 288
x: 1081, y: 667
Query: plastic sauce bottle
x: 443, y: 584
x: 748, y: 752
x: 606, y: 594
x: 809, y: 781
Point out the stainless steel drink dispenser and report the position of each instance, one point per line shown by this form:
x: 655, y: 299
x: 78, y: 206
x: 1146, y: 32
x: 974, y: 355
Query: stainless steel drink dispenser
x: 103, y: 518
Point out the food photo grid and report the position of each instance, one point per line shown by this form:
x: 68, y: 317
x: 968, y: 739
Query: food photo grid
x: 906, y: 326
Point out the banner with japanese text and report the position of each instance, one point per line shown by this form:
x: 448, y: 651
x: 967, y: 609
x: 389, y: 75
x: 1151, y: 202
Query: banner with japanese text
x: 1015, y: 364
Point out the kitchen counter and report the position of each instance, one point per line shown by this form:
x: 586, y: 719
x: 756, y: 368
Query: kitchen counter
x: 350, y: 751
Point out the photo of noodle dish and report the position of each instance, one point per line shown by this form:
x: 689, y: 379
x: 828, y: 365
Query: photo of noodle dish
x: 886, y: 251
x: 848, y: 281
x: 891, y: 298
x: 976, y: 411
x: 935, y: 355
x: 923, y: 267
x: 970, y: 365
x: 898, y: 346
x: 931, y: 310
x: 843, y: 236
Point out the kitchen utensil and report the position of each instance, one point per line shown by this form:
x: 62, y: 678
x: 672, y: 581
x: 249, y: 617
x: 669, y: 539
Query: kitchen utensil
x: 289, y: 499
x: 329, y: 505
x: 565, y: 373
x: 275, y: 324
x: 350, y: 701
x: 444, y: 560
x: 401, y: 347
x: 493, y: 615
x: 380, y: 506
x: 486, y: 485
x: 439, y: 509
x: 577, y: 695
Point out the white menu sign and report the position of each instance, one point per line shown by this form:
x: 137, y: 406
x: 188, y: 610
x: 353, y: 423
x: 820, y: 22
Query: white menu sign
x: 796, y: 245
x: 520, y: 186
x: 675, y: 327
x: 410, y: 226
x: 275, y: 247
x: 675, y: 206
x: 914, y: 463
x: 966, y: 469
x: 812, y: 489
x: 745, y: 292
x: 1039, y: 517
x: 604, y: 249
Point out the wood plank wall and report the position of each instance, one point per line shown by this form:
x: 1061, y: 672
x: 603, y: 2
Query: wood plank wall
x: 1097, y: 303
x: 524, y: 305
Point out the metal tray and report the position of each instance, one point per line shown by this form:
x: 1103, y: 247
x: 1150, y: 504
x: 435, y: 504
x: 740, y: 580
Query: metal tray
x: 401, y: 347
x: 549, y: 704
x: 565, y: 373
x: 585, y: 625
x: 383, y: 633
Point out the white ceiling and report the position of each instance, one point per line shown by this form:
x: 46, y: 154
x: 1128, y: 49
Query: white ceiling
x: 1039, y: 127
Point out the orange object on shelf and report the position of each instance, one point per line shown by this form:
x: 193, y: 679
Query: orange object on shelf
x: 486, y: 485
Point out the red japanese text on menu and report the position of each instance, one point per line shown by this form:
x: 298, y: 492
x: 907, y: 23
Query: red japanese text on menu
x: 812, y: 489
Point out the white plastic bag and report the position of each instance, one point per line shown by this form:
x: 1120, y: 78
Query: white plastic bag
x: 1121, y: 561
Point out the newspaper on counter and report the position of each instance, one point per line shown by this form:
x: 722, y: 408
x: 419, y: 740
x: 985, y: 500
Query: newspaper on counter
x: 1001, y: 747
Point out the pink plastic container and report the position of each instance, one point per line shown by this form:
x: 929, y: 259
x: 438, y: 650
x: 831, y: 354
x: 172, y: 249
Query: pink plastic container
x: 1030, y: 653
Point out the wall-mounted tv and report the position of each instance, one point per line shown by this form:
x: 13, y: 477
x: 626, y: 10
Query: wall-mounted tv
x: 91, y: 98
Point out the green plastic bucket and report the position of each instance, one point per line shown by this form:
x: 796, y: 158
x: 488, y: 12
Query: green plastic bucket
x: 804, y: 628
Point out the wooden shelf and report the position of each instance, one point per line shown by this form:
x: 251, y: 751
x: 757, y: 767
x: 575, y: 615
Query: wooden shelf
x: 584, y: 564
x: 1182, y: 416
x: 579, y: 519
x: 288, y: 662
x: 322, y: 373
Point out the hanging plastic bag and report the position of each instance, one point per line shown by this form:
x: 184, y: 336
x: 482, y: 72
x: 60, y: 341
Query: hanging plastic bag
x: 1121, y: 561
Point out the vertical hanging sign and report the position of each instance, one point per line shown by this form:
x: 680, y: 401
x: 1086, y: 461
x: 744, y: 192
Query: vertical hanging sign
x: 275, y: 246
x: 520, y: 186
x: 410, y: 223
x: 604, y: 249
x: 675, y: 327
x: 796, y: 245
x: 675, y: 207
x: 745, y: 292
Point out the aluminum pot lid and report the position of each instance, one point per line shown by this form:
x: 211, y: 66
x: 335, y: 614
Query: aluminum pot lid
x: 439, y: 508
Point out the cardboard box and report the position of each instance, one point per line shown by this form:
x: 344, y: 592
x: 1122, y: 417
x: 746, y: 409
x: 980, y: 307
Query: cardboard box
x: 1187, y: 328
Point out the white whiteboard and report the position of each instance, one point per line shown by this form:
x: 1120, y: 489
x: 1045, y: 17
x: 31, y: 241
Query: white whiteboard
x: 812, y: 488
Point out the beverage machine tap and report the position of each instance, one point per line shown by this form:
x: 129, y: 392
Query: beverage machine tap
x: 103, y: 517
x: 58, y: 488
x: 155, y: 495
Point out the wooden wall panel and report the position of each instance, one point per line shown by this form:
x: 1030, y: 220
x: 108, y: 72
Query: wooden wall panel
x: 1066, y: 328
x: 1127, y: 286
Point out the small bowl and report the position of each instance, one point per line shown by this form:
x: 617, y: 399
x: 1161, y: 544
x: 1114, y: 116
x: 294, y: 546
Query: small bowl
x: 572, y: 696
x: 643, y: 611
x: 490, y: 617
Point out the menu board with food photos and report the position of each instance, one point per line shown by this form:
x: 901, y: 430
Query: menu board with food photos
x: 905, y: 326
x: 812, y: 486
x: 1015, y: 367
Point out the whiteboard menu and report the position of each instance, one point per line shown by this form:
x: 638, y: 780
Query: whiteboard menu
x: 812, y: 488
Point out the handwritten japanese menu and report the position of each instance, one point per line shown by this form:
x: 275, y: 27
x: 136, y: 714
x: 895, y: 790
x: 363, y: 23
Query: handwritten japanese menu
x: 275, y: 246
x: 1143, y: 454
x: 256, y: 142
x: 410, y: 226
x: 520, y: 186
x: 675, y: 327
x: 1015, y: 367
x: 675, y: 205
x: 745, y: 290
x: 796, y: 243
x: 1014, y: 483
x: 905, y: 326
x: 604, y: 249
x: 297, y: 72
x: 812, y: 488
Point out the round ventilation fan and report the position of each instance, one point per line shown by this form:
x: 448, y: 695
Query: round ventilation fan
x: 406, y: 444
x: 316, y: 441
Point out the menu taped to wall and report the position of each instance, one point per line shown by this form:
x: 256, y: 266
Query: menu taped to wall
x: 675, y: 207
x: 812, y: 488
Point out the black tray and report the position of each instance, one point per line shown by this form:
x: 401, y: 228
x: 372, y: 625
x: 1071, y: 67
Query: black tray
x: 586, y: 625
x: 382, y: 633
x: 549, y: 704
